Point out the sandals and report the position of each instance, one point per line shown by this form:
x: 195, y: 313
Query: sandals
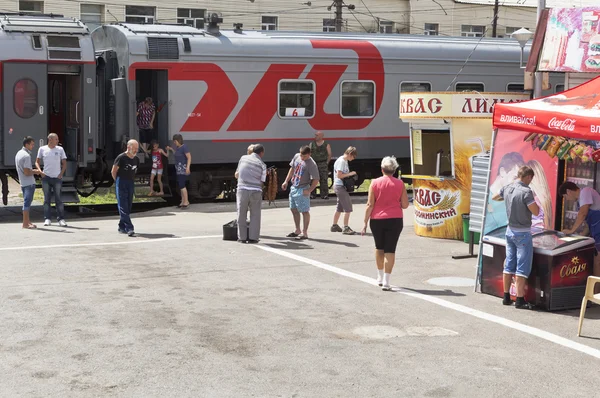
x: 292, y: 235
x: 30, y: 226
x: 301, y: 237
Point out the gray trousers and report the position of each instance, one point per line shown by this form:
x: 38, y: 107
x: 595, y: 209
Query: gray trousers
x: 249, y: 200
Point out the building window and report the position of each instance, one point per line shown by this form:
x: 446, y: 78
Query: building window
x: 140, y: 14
x: 358, y: 99
x: 328, y: 25
x: 431, y: 29
x: 296, y: 98
x: 511, y: 29
x: 559, y: 88
x: 269, y: 23
x: 472, y: 30
x: 25, y: 98
x: 31, y: 6
x: 469, y: 87
x: 92, y: 15
x: 191, y: 16
x: 515, y: 87
x: 386, y: 27
x: 415, y: 87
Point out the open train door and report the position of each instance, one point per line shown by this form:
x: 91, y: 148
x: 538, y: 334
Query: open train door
x: 25, y: 97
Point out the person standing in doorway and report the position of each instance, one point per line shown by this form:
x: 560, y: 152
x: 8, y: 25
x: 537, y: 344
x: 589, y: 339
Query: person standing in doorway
x: 26, y: 178
x: 55, y: 165
x: 304, y: 176
x: 520, y: 206
x: 123, y: 172
x: 341, y: 170
x: 321, y: 154
x: 588, y: 203
x: 385, y: 208
x: 146, y: 113
x: 4, y: 182
x: 183, y: 164
x: 252, y: 173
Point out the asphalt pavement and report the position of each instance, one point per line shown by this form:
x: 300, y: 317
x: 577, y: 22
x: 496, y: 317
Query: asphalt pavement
x: 178, y: 312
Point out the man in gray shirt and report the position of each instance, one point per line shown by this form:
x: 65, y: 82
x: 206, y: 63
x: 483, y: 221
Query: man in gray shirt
x: 304, y: 176
x: 520, y: 206
x: 251, y: 174
x: 26, y: 174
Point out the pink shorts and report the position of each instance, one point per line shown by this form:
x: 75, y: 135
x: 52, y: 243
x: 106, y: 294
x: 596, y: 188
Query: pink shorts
x: 157, y: 171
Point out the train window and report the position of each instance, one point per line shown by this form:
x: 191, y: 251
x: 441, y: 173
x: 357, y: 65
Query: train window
x: 63, y: 42
x: 37, y: 42
x: 559, y: 88
x: 470, y: 87
x: 515, y: 87
x: 415, y: 87
x: 358, y: 99
x: 25, y: 98
x: 296, y: 98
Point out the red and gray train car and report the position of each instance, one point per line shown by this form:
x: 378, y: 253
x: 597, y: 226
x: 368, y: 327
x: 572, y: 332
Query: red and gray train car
x: 222, y: 90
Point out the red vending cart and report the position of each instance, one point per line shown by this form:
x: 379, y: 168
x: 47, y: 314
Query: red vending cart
x: 561, y: 265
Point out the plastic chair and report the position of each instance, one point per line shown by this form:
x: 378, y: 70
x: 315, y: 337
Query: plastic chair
x: 589, y: 295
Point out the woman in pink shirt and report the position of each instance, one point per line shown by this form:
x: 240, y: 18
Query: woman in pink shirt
x: 387, y: 198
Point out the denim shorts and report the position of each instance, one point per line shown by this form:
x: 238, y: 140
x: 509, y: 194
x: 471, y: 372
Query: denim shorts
x: 28, y: 192
x: 298, y: 200
x: 519, y: 253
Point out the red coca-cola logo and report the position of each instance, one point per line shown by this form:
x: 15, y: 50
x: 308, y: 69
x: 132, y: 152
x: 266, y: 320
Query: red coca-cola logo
x: 565, y: 125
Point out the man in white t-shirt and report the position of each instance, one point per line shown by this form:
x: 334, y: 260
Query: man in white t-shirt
x: 55, y: 164
x: 589, y: 211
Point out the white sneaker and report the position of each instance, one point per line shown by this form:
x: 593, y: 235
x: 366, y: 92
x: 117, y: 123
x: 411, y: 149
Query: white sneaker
x: 47, y: 223
x: 386, y: 288
x: 62, y: 223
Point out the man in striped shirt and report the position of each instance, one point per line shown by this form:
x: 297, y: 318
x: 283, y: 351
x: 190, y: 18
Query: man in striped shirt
x: 251, y: 174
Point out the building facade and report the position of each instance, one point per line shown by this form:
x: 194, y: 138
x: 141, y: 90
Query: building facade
x: 440, y: 17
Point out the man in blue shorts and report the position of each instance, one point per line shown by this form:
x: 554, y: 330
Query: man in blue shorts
x: 26, y: 174
x: 520, y: 206
x: 304, y: 178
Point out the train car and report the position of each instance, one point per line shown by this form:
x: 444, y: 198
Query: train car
x: 223, y: 90
x: 48, y: 84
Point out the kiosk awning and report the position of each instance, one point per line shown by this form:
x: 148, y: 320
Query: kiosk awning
x: 574, y: 113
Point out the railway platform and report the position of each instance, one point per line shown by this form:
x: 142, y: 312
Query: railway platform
x: 177, y: 311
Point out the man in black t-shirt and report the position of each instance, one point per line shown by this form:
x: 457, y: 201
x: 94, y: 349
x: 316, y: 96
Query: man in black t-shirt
x: 123, y: 172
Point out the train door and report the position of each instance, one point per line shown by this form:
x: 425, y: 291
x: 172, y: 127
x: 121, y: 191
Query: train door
x: 25, y: 99
x: 154, y: 83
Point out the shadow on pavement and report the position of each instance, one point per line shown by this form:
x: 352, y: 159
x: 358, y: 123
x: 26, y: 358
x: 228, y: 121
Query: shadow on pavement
x: 155, y: 236
x: 61, y: 231
x: 297, y: 241
x: 445, y: 292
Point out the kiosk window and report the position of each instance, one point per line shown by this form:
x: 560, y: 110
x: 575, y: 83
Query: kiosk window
x: 426, y: 145
x: 415, y: 87
x: 25, y: 98
x: 470, y: 87
x: 358, y: 99
x: 296, y: 98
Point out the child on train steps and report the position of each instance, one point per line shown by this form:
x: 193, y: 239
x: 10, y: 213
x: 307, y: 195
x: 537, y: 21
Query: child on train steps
x: 157, y: 166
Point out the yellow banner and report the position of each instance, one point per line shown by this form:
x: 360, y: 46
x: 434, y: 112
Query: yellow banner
x: 450, y: 105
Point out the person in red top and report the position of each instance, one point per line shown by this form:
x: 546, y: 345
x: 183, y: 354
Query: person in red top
x: 387, y: 198
x: 157, y: 166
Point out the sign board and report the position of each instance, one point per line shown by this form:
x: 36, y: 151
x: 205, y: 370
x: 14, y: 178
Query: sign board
x: 572, y: 41
x: 294, y: 112
x: 443, y: 105
x: 417, y: 145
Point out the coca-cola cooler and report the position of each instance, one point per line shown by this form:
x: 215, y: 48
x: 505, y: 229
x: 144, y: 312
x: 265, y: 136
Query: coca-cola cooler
x: 561, y: 266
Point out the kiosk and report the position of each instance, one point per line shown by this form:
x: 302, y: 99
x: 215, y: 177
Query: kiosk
x: 559, y: 137
x: 446, y: 131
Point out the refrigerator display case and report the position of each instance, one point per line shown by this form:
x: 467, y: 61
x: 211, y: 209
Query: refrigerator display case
x: 583, y: 175
x: 561, y: 266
